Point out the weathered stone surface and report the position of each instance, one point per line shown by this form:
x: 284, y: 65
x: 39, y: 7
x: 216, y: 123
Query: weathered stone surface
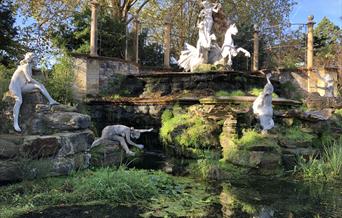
x: 107, y: 154
x: 40, y: 146
x: 9, y: 171
x: 8, y: 149
x: 314, y: 100
x: 73, y: 143
x: 55, y: 139
x: 36, y: 117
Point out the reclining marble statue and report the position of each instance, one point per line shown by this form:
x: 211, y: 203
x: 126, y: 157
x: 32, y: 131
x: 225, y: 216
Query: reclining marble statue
x: 262, y: 106
x: 22, y: 82
x: 121, y: 134
x: 207, y: 51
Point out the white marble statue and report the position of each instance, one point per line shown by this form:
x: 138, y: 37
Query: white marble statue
x: 262, y: 106
x: 228, y: 48
x: 190, y: 58
x: 328, y: 85
x: 121, y: 134
x: 22, y: 82
x: 206, y: 22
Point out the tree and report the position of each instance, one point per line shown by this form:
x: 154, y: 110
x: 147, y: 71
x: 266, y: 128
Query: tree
x: 327, y: 43
x: 9, y: 46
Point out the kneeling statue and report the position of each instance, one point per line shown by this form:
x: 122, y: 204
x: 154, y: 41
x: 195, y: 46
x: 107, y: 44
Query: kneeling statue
x: 22, y: 82
x: 122, y: 134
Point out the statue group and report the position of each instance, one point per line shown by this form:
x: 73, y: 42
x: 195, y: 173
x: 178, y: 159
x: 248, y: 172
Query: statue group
x: 207, y: 50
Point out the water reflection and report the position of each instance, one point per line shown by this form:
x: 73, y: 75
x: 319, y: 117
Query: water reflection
x: 264, y: 198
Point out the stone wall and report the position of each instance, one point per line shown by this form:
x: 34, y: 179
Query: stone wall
x: 207, y: 83
x: 95, y: 75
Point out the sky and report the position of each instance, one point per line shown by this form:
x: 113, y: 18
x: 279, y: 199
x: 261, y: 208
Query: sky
x: 332, y: 9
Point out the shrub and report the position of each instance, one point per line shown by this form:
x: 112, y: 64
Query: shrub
x: 5, y: 78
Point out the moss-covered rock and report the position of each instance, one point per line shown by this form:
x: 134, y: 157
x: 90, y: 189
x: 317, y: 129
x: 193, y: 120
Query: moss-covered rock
x: 184, y: 130
x: 259, y: 153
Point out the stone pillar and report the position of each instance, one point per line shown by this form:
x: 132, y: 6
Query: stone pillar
x: 255, y: 66
x: 312, y: 78
x: 167, y: 41
x: 136, y: 40
x: 93, y: 28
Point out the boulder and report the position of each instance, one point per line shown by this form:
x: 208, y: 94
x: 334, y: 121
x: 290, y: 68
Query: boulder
x: 107, y: 154
x: 54, y: 141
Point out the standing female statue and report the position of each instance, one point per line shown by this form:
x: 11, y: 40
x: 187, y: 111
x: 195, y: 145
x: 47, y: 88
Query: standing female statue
x: 206, y: 22
x: 262, y: 106
x: 22, y: 82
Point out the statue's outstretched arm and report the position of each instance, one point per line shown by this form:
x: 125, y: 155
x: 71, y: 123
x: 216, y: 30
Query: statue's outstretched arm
x: 144, y: 130
x: 217, y: 7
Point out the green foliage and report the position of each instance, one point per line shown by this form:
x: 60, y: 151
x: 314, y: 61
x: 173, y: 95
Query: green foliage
x: 61, y: 80
x: 232, y: 93
x: 327, y: 167
x: 258, y: 91
x: 327, y: 39
x: 74, y: 36
x: 10, y: 49
x: 5, y: 78
x: 150, y: 190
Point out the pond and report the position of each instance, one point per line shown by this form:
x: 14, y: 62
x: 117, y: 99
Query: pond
x: 253, y: 197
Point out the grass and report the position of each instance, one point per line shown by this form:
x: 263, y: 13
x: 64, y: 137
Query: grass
x: 115, y: 186
x: 150, y: 190
x: 327, y: 167
x: 222, y: 93
x: 258, y: 91
x: 295, y: 134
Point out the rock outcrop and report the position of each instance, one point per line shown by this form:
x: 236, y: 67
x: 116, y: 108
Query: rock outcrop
x: 54, y: 140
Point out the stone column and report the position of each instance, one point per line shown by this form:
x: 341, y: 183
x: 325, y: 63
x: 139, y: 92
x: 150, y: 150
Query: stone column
x: 93, y: 28
x: 167, y: 41
x: 255, y: 66
x: 312, y: 78
x: 136, y: 39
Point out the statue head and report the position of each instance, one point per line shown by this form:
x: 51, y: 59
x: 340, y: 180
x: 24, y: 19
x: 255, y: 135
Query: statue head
x: 206, y: 4
x: 135, y: 134
x: 328, y: 78
x: 233, y: 29
x: 29, y: 56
